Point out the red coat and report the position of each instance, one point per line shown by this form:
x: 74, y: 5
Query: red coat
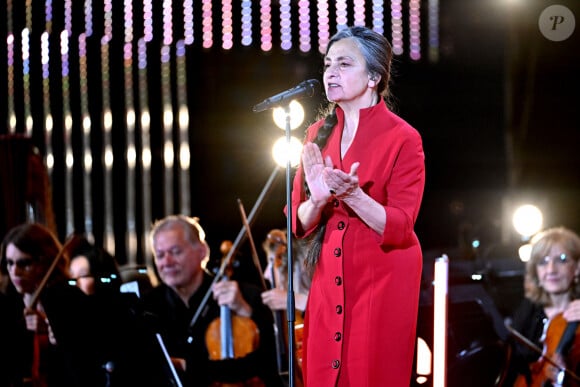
x: 362, y: 309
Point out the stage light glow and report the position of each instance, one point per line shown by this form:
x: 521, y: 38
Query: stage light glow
x: 246, y: 23
x: 168, y: 154
x: 341, y: 15
x: 440, y: 321
x: 296, y: 115
x: 227, y: 25
x: 378, y: 16
x: 433, y: 30
x: 131, y: 156
x: 525, y: 252
x: 359, y: 13
x: 266, y: 25
x: 282, y: 151
x: 527, y: 220
x: 184, y: 156
x: 323, y: 22
x: 424, y: 358
x: 304, y: 25
x: 397, y: 26
x: 206, y: 17
x: 415, y: 29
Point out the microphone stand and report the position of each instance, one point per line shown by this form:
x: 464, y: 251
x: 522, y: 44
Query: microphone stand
x: 290, y: 306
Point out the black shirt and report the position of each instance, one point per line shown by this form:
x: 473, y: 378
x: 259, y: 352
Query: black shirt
x: 173, y: 318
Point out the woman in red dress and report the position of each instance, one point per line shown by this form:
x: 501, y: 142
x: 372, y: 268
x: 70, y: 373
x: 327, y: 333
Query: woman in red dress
x: 357, y: 195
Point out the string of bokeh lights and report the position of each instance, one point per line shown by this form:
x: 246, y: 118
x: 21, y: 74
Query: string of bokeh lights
x: 303, y: 26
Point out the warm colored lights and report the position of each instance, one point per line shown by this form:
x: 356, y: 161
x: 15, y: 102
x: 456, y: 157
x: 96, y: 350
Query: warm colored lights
x: 282, y: 151
x: 304, y: 25
x: 88, y: 17
x: 415, y: 29
x: 323, y: 22
x: 207, y: 24
x: 168, y: 154
x: 188, y: 21
x: 167, y: 22
x: 64, y: 51
x: 397, y: 26
x: 296, y: 115
x: 378, y: 16
x: 527, y: 220
x: 107, y: 120
x: 341, y: 14
x: 146, y: 158
x: 147, y: 20
x: 285, y: 25
x: 184, y: 156
x: 227, y: 25
x: 246, y: 22
x: 265, y: 25
x: 440, y: 321
x: 359, y: 13
x: 131, y: 156
x: 525, y: 252
x: 424, y: 359
x: 108, y: 157
x: 433, y: 30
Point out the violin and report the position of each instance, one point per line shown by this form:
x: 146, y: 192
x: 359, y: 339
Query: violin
x: 560, y: 357
x: 231, y: 336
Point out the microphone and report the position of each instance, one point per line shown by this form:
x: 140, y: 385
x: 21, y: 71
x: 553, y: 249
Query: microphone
x: 304, y: 89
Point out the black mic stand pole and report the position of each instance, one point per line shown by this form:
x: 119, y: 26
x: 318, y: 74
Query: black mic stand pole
x: 291, y: 301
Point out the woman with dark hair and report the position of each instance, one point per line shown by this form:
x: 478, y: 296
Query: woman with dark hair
x: 92, y: 268
x: 357, y: 195
x: 49, y: 318
x: 127, y: 349
x: 552, y: 292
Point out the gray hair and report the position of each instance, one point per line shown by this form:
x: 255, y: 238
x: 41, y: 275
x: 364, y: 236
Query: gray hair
x: 376, y: 50
x: 190, y: 226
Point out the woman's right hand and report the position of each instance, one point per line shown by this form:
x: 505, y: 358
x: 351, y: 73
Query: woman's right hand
x: 275, y: 299
x: 314, y: 165
x: 35, y: 320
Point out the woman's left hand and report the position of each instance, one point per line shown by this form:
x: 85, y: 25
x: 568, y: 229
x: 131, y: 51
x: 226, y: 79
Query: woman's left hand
x: 342, y: 184
x: 572, y: 312
x: 228, y: 293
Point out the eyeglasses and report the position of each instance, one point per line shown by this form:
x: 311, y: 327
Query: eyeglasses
x: 558, y: 260
x: 22, y: 264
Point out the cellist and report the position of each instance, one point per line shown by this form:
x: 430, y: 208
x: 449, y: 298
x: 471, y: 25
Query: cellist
x: 552, y: 294
x: 179, y: 245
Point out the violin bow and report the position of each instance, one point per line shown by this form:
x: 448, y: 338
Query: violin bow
x: 524, y: 340
x: 252, y: 245
x: 44, y: 281
x: 236, y: 244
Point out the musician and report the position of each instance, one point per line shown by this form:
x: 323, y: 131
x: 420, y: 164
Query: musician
x: 179, y: 246
x: 275, y: 248
x: 128, y: 351
x: 552, y: 287
x: 93, y: 268
x: 46, y: 331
